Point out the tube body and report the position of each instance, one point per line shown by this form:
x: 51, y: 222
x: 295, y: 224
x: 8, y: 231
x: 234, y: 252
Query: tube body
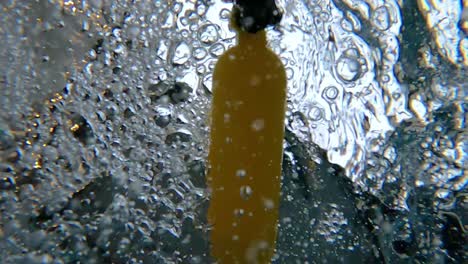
x: 247, y: 129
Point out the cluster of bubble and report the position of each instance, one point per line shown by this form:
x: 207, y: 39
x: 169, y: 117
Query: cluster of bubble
x: 396, y: 124
x: 342, y: 88
x: 448, y: 22
x: 103, y: 155
x: 420, y: 172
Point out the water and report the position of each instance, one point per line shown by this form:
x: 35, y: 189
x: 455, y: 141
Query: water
x: 104, y: 117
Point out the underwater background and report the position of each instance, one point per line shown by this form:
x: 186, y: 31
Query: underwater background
x: 104, y: 111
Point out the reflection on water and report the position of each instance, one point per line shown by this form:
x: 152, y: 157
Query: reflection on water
x: 103, y: 130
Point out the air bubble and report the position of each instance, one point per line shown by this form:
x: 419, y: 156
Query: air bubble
x: 346, y: 25
x: 255, y: 250
x: 177, y: 7
x: 182, y: 135
x: 208, y: 34
x: 258, y: 124
x: 201, y: 69
x: 184, y: 21
x: 381, y: 18
x: 246, y: 192
x: 289, y: 73
x: 224, y: 14
x: 119, y: 49
x: 315, y: 113
x: 199, y: 53
x: 396, y: 95
x: 330, y: 93
x: 385, y: 78
x: 184, y: 33
x: 268, y: 204
x: 180, y: 93
x: 247, y: 22
x: 217, y: 49
x: 241, y: 173
x: 227, y: 118
x: 201, y: 10
x: 239, y: 212
x: 255, y: 80
x: 117, y: 32
x: 348, y: 67
x: 163, y: 116
x: 181, y: 53
x: 155, y: 91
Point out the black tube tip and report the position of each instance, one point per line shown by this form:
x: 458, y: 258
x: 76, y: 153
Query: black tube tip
x: 255, y: 15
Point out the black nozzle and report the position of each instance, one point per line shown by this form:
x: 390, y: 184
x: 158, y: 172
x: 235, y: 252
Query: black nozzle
x: 255, y: 15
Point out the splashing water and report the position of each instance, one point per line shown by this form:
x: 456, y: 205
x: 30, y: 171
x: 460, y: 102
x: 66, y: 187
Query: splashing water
x: 103, y: 130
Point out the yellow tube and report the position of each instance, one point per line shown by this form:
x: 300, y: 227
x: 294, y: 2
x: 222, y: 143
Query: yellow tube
x: 247, y: 129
